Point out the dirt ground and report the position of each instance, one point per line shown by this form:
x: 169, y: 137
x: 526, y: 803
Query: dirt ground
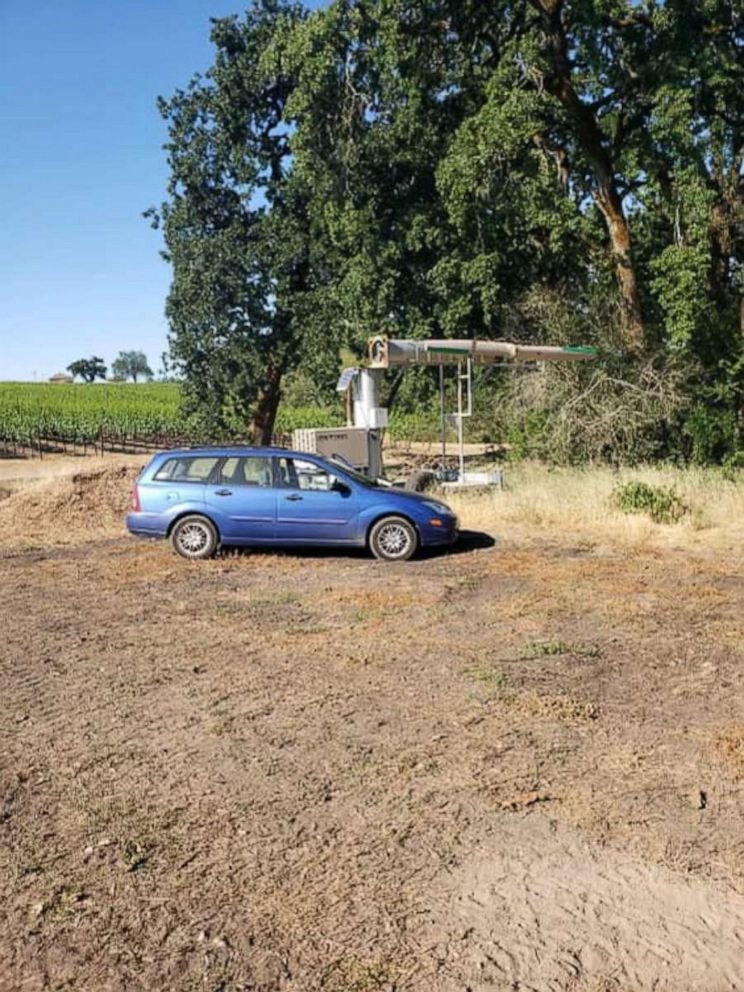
x: 508, y: 767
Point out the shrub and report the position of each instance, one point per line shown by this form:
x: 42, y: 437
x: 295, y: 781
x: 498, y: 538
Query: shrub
x: 733, y: 464
x: 712, y: 433
x: 663, y: 504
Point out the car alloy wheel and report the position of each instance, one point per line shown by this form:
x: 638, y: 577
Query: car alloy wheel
x: 393, y: 539
x: 194, y: 537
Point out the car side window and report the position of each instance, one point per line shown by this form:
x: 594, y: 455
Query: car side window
x: 296, y: 473
x: 186, y: 469
x: 249, y: 471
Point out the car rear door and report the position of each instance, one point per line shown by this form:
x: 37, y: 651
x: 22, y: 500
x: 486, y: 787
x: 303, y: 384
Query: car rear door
x: 242, y: 499
x: 309, y: 509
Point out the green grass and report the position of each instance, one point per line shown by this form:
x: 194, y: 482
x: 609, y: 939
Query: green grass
x: 548, y: 649
x: 488, y: 676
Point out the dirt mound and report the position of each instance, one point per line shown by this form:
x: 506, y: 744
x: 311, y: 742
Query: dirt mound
x: 89, y: 504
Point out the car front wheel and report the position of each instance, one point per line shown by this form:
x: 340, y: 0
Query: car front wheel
x: 194, y: 537
x: 393, y: 539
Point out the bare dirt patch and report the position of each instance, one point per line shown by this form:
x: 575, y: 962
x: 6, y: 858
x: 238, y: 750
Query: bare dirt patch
x: 512, y: 768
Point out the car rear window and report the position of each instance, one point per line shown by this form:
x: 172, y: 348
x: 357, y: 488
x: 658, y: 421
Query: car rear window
x: 186, y: 469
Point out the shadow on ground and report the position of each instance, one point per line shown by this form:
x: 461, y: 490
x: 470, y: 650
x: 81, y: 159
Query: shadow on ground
x: 470, y: 540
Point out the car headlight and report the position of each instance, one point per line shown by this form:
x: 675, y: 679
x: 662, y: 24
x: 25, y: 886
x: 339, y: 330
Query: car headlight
x: 438, y: 507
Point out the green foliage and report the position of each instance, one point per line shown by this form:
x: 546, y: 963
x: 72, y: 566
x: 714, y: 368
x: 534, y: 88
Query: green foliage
x: 79, y: 413
x: 488, y: 676
x: 423, y: 425
x: 713, y: 434
x: 465, y: 166
x: 528, y: 437
x: 88, y: 369
x: 440, y: 167
x: 544, y: 649
x: 663, y: 504
x: 291, y: 418
x: 247, y: 277
x: 733, y: 464
x: 131, y: 365
x: 299, y: 390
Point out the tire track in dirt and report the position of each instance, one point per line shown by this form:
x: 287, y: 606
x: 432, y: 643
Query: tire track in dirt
x: 538, y: 909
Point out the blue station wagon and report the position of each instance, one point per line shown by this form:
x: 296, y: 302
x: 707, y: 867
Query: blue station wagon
x: 205, y: 498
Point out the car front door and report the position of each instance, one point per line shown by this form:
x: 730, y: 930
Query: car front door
x: 243, y: 499
x: 310, y: 507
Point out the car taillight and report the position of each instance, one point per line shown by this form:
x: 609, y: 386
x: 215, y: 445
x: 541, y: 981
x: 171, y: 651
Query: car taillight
x: 135, y: 500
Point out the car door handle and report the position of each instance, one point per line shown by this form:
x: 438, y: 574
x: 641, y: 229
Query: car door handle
x: 223, y: 492
x: 294, y: 497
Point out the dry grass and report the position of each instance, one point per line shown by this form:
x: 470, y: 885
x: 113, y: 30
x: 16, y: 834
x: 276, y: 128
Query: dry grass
x: 577, y: 504
x: 563, y: 504
x: 730, y: 744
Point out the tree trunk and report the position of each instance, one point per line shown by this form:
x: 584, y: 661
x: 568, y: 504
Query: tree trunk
x: 611, y: 207
x: 720, y: 252
x: 264, y: 415
x: 559, y: 83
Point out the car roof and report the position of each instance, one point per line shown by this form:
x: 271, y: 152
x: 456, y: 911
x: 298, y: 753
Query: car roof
x: 235, y: 449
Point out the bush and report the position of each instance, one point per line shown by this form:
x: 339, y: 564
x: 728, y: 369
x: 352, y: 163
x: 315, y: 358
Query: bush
x: 424, y: 425
x: 712, y: 432
x: 663, y: 504
x: 733, y: 465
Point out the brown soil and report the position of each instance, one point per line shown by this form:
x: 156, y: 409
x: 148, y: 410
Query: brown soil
x: 67, y: 507
x: 514, y: 768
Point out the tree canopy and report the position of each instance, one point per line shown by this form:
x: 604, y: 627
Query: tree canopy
x: 131, y: 365
x: 557, y: 170
x: 88, y: 369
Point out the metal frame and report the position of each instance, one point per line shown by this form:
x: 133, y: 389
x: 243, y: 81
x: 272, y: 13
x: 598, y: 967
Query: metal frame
x: 362, y: 385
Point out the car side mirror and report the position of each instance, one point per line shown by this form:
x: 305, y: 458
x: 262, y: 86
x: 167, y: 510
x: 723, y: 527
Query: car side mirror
x: 340, y: 487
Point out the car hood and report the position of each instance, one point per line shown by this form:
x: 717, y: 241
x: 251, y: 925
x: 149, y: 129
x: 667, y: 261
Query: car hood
x: 421, y: 498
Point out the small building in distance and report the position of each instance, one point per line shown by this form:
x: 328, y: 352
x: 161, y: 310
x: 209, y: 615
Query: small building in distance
x: 60, y: 377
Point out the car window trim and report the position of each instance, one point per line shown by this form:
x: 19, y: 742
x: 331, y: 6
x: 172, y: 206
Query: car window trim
x: 276, y: 475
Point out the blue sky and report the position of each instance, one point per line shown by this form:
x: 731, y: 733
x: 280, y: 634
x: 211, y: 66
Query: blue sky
x: 82, y: 157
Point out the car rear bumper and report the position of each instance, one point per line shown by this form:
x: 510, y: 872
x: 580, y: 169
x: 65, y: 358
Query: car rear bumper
x: 147, y: 525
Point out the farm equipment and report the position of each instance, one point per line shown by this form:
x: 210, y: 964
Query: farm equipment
x: 360, y: 443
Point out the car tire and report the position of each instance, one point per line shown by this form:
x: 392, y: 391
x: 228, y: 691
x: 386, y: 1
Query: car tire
x: 421, y: 480
x: 393, y: 539
x: 194, y: 537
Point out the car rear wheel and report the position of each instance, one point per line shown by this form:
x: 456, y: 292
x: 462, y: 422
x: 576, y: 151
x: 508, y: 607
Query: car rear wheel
x: 194, y: 537
x: 393, y: 539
